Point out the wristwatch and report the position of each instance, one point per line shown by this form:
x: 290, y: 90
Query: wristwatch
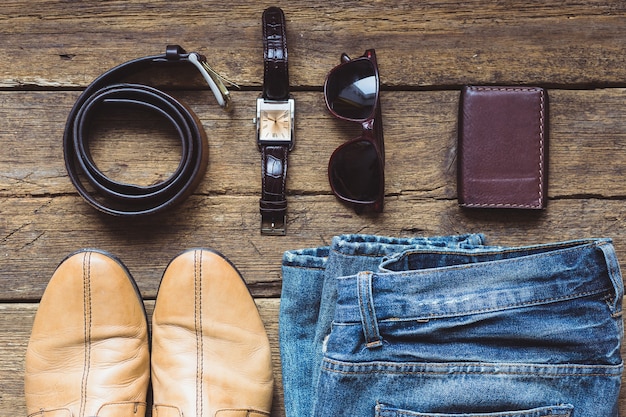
x: 274, y: 123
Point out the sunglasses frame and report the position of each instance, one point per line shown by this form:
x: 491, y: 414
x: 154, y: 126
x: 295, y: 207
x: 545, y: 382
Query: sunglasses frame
x: 372, y: 132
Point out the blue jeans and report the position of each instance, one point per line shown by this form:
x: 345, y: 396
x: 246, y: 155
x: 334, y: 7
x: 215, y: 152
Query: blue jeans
x: 308, y: 300
x: 451, y: 327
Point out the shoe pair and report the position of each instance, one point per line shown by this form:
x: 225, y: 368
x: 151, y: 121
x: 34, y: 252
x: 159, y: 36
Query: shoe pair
x: 89, y: 351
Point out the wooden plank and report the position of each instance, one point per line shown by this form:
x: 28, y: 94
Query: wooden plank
x: 426, y: 43
x: 587, y: 143
x: 40, y: 232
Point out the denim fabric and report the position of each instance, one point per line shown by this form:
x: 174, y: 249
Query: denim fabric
x: 533, y: 331
x: 308, y: 300
x: 447, y: 326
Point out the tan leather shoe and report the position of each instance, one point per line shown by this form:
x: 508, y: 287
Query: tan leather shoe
x: 210, y: 352
x: 88, y: 353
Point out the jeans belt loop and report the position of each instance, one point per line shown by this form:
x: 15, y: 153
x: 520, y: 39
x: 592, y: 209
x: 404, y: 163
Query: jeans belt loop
x: 614, y: 273
x: 368, y: 314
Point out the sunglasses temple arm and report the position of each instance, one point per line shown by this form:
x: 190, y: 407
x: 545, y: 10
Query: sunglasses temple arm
x: 378, y: 129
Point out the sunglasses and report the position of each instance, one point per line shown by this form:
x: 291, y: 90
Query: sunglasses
x: 356, y: 168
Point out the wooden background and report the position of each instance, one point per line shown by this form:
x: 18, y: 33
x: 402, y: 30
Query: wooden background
x: 427, y: 50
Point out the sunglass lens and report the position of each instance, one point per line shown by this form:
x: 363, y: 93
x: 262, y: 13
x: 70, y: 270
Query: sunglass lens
x: 351, y: 89
x: 355, y: 172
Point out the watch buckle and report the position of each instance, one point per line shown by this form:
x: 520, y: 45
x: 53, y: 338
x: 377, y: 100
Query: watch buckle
x: 274, y: 226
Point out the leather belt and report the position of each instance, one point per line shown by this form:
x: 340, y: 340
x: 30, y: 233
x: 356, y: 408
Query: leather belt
x: 122, y: 199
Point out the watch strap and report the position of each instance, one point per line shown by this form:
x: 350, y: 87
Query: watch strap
x: 273, y: 203
x: 276, y: 72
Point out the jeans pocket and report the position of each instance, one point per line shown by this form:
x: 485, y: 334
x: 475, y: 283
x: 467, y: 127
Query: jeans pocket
x: 563, y: 410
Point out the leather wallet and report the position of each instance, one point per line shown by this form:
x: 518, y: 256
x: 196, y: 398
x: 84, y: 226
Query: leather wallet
x: 502, y: 147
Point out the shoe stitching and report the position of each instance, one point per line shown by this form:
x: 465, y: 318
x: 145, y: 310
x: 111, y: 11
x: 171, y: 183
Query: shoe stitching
x: 86, y: 329
x: 248, y: 411
x: 198, y: 323
x: 136, y: 405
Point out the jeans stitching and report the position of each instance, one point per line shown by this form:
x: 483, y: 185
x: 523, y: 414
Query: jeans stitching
x: 488, y: 310
x: 549, y: 412
x: 443, y: 368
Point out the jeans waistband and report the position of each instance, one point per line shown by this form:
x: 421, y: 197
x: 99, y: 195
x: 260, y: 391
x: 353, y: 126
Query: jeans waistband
x: 429, y: 284
x: 364, y: 245
x: 372, y: 245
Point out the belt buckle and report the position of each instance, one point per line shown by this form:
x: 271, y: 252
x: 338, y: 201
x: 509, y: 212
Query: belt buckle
x: 274, y: 226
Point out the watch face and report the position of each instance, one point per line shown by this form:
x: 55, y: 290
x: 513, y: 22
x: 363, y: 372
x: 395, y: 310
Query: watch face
x: 275, y: 122
x: 275, y: 125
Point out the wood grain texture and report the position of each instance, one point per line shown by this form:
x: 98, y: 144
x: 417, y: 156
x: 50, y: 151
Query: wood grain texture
x: 420, y: 44
x: 587, y: 138
x: 427, y: 50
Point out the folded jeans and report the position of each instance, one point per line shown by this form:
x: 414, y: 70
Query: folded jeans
x: 450, y: 326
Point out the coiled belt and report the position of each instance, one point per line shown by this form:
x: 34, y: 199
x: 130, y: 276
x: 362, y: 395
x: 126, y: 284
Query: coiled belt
x: 122, y: 199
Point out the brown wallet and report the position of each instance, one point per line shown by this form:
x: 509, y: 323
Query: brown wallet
x: 502, y: 147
